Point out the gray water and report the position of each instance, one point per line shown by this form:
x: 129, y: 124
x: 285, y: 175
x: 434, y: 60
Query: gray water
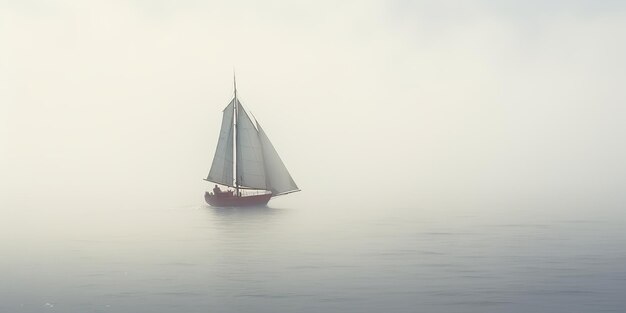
x: 312, y: 258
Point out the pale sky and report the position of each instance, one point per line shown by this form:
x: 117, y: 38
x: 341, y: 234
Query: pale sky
x: 433, y: 101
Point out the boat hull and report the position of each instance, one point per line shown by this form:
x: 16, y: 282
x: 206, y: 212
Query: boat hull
x: 230, y: 200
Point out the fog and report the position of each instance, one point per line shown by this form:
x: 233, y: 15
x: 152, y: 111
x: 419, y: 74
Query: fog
x: 475, y: 101
x: 459, y: 156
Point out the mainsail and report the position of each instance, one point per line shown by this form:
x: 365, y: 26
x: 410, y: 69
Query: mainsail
x: 249, y: 153
x: 222, y: 168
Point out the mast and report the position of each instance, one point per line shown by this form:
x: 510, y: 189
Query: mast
x: 236, y: 123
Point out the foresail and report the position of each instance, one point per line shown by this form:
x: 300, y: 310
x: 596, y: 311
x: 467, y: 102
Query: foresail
x: 278, y: 177
x: 222, y: 168
x: 249, y: 153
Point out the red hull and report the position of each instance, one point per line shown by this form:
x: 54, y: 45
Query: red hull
x: 230, y: 200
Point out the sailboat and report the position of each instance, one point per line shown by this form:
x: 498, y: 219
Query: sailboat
x: 245, y: 160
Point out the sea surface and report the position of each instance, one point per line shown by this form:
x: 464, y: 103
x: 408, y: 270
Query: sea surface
x: 302, y: 257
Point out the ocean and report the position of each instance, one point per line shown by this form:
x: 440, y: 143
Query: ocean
x: 295, y: 257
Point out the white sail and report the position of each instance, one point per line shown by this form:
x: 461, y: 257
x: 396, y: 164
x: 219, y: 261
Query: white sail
x: 222, y: 168
x: 249, y: 153
x: 278, y: 178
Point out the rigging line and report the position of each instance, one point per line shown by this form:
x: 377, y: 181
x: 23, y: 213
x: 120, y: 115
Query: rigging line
x: 285, y: 193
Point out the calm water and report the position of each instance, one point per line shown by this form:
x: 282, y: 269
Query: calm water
x: 312, y: 258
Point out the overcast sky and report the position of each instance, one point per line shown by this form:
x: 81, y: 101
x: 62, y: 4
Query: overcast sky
x: 429, y: 101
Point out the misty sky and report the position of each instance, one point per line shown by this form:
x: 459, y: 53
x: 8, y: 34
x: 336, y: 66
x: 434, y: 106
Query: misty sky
x: 434, y: 101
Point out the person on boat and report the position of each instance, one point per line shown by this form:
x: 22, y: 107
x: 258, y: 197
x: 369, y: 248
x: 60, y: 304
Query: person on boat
x: 216, y: 190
